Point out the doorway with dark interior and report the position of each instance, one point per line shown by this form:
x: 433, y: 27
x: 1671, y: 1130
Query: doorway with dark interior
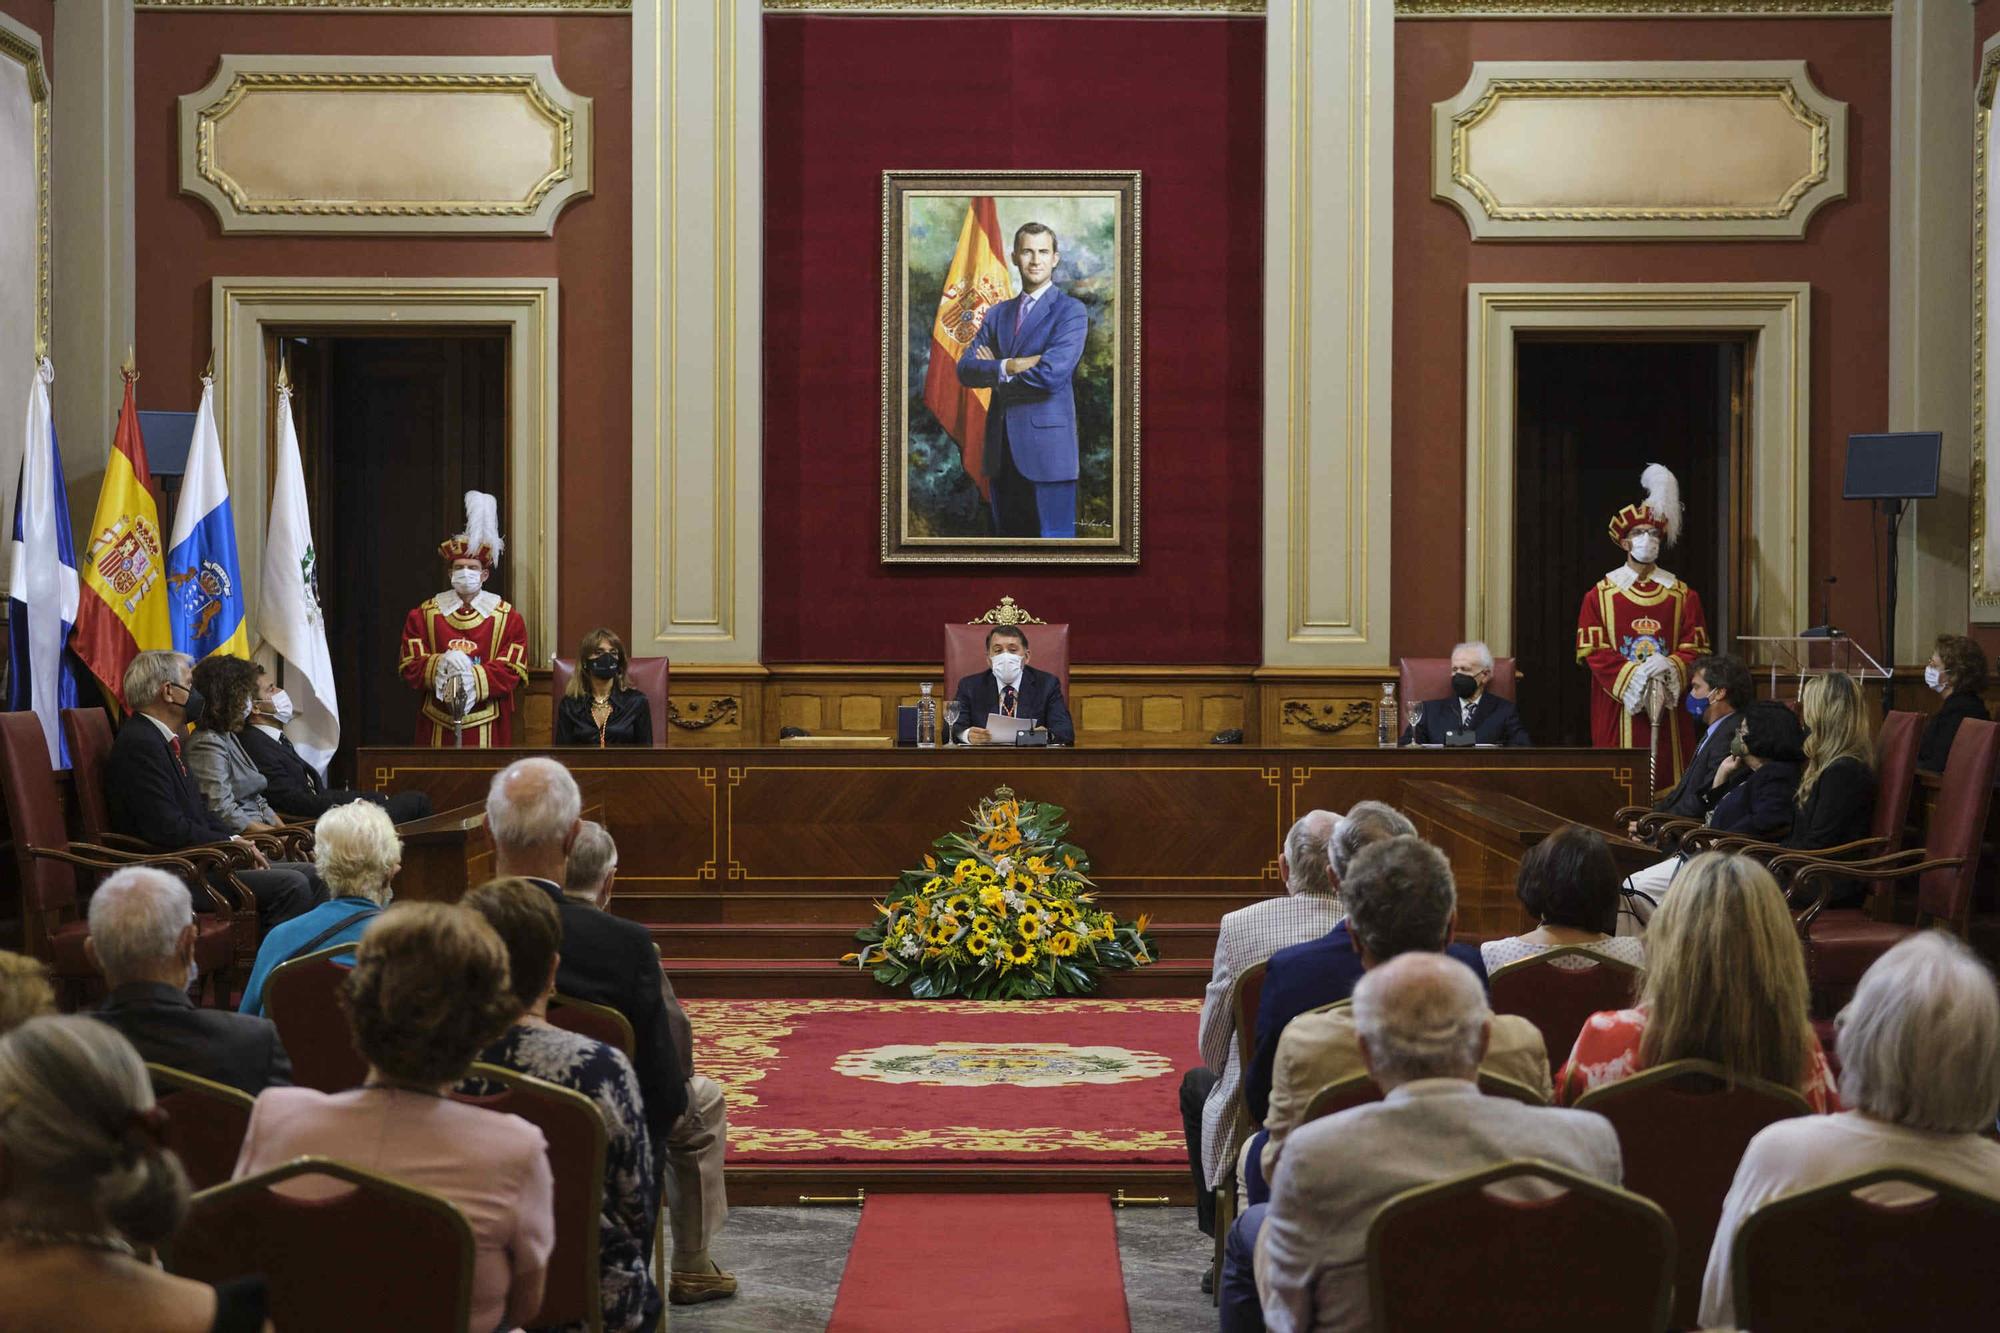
x: 1589, y: 417
x: 394, y: 427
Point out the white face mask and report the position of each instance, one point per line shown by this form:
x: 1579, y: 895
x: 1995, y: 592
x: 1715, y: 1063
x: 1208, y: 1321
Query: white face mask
x: 1007, y: 668
x: 1934, y: 678
x: 1646, y: 548
x: 194, y: 974
x: 249, y: 707
x: 466, y: 582
x: 280, y: 704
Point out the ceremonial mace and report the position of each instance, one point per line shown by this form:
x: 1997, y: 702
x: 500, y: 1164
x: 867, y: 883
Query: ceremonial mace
x: 1656, y: 702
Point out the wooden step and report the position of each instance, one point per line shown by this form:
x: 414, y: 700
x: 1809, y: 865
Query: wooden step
x: 766, y: 978
x: 855, y: 907
x: 807, y: 942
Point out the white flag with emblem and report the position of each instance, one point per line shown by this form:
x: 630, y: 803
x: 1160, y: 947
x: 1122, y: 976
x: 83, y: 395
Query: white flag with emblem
x: 288, y: 612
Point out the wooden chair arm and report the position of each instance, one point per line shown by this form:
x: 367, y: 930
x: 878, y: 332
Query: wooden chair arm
x: 88, y: 857
x: 1625, y: 814
x: 124, y: 842
x: 1793, y: 862
x: 1897, y: 865
x: 1706, y: 839
x: 1665, y: 831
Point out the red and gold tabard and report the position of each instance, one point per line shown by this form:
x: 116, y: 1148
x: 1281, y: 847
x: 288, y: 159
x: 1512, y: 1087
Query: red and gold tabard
x: 1623, y: 621
x: 492, y: 634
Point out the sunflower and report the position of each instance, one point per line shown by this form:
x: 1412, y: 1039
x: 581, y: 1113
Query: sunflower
x: 978, y: 942
x: 1020, y: 952
x: 933, y: 884
x: 963, y: 870
x: 959, y: 904
x: 1029, y: 926
x: 983, y: 924
x: 993, y: 898
x: 1062, y: 944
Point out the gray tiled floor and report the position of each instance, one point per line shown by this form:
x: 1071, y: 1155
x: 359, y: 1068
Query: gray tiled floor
x: 789, y: 1262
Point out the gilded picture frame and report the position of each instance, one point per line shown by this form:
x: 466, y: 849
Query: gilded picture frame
x: 1010, y: 367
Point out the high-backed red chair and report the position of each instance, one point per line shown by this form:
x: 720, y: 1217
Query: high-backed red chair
x: 358, y: 1251
x: 303, y: 998
x: 575, y: 1132
x: 1682, y: 1128
x: 1520, y: 1255
x: 1827, y: 1260
x: 1423, y: 678
x: 648, y: 676
x: 965, y: 645
x: 1560, y: 999
x: 206, y: 1122
x: 599, y: 1022
x: 88, y: 733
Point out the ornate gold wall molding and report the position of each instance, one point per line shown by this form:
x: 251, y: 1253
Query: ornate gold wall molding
x: 1056, y: 8
x: 1639, y: 150
x: 403, y: 144
x: 1985, y: 376
x: 581, y: 7
x: 1642, y: 9
x: 21, y: 46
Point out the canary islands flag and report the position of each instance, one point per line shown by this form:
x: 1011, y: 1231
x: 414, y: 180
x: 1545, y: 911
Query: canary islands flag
x: 124, y: 607
x: 204, y: 582
x: 975, y: 283
x: 42, y: 585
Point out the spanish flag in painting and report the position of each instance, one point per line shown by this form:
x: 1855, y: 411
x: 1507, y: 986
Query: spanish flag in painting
x: 204, y: 582
x: 124, y: 608
x: 976, y: 281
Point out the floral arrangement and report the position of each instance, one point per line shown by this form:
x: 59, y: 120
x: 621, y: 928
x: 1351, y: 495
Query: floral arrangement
x: 1002, y: 911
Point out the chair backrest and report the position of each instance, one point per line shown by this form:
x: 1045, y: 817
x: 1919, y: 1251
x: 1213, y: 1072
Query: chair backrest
x: 1559, y: 1000
x: 374, y: 1253
x: 648, y: 676
x: 88, y: 732
x: 599, y: 1022
x: 1682, y: 1128
x: 1895, y: 776
x: 1422, y: 678
x: 1958, y: 822
x: 1354, y: 1090
x: 206, y: 1122
x: 965, y: 653
x: 35, y: 819
x: 303, y: 999
x: 1249, y: 994
x: 1927, y: 1263
x: 575, y: 1132
x: 1514, y: 1238
x: 1499, y: 1085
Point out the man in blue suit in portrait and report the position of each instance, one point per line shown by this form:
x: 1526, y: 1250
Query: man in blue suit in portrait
x: 1025, y: 352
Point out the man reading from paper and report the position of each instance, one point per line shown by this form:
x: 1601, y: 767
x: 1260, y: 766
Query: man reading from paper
x: 1011, y: 688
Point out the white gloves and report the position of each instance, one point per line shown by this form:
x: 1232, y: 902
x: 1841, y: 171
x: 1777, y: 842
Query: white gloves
x: 1658, y: 667
x: 454, y: 680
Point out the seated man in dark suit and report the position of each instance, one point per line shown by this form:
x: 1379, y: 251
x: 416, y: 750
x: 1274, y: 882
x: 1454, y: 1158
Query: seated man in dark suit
x: 142, y: 938
x: 153, y: 797
x: 1011, y: 687
x: 1491, y: 719
x: 294, y: 787
x: 1720, y: 687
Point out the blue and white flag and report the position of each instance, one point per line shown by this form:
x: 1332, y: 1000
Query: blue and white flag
x: 204, y: 582
x: 42, y: 586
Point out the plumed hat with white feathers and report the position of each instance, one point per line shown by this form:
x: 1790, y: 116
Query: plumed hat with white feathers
x: 1660, y: 509
x: 481, y: 539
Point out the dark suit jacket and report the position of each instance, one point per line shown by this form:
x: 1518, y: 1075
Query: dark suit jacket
x: 1840, y: 809
x: 151, y: 796
x: 1306, y: 976
x: 630, y: 723
x: 1033, y: 415
x: 1690, y: 798
x: 609, y: 960
x: 1935, y: 746
x: 1494, y: 722
x: 1039, y: 695
x: 292, y: 787
x: 1762, y: 805
x: 241, y: 1050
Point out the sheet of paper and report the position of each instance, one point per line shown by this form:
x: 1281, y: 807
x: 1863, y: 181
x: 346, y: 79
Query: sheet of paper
x: 1004, y: 729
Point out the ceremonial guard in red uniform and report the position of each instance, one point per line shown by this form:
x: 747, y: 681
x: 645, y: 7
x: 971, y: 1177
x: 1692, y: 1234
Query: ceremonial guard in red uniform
x: 1639, y: 632
x: 465, y: 649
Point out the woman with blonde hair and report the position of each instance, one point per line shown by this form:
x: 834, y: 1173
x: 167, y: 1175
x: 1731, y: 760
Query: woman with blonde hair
x: 1836, y: 797
x: 600, y: 706
x: 25, y: 991
x: 1725, y: 981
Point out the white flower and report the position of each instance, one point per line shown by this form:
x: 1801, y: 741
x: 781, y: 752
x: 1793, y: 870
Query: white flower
x: 1004, y: 864
x: 909, y: 947
x: 1012, y: 897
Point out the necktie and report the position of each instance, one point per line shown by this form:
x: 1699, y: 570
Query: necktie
x: 1465, y: 716
x: 1007, y: 700
x: 174, y: 744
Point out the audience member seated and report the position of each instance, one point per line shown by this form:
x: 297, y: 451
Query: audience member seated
x: 1490, y: 718
x: 1012, y: 687
x: 1920, y: 1068
x: 692, y: 1154
x: 1957, y: 670
x: 357, y: 852
x: 153, y: 797
x: 142, y: 937
x: 1248, y: 936
x: 231, y: 785
x: 600, y: 707
x: 429, y: 991
x: 85, y: 1184
x: 1422, y: 1027
x: 1570, y: 885
x: 1837, y: 790
x: 1725, y: 981
x: 294, y: 787
x: 1323, y: 971
x: 1720, y: 688
x: 25, y: 991
x: 529, y: 924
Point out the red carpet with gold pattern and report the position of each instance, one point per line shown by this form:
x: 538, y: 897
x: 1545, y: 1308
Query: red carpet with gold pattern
x: 1046, y: 1082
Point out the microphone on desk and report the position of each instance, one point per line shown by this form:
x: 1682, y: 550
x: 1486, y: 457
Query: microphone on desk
x: 1825, y: 629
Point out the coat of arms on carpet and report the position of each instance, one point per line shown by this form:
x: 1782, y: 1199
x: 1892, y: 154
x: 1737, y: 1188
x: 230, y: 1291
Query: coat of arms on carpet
x: 971, y: 1064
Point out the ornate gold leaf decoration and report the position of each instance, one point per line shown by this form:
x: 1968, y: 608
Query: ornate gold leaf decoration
x: 718, y: 710
x: 405, y: 6
x: 1329, y: 717
x: 1008, y: 614
x: 1641, y: 9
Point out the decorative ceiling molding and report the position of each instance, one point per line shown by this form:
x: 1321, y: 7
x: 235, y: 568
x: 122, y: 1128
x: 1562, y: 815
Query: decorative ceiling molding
x: 1642, y: 9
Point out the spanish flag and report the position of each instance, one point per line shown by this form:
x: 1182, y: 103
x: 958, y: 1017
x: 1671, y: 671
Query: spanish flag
x: 976, y: 282
x: 123, y: 610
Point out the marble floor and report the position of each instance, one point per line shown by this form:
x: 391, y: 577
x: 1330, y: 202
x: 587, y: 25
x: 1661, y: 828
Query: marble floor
x: 789, y: 1262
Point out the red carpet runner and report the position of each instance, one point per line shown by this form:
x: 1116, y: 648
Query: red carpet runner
x: 983, y: 1263
x: 1051, y: 1082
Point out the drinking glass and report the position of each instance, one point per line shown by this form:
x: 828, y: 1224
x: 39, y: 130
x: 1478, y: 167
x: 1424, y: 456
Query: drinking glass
x: 952, y: 712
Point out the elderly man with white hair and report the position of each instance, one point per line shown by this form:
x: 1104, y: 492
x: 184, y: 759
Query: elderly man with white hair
x: 1309, y: 907
x: 1472, y: 710
x: 1920, y: 1073
x: 142, y: 937
x: 1424, y: 1025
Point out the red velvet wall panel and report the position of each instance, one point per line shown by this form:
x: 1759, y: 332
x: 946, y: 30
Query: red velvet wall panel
x: 1181, y: 101
x: 1845, y: 257
x: 181, y: 246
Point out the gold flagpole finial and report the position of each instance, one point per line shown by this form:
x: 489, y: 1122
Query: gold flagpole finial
x: 130, y: 370
x: 209, y: 373
x: 284, y: 375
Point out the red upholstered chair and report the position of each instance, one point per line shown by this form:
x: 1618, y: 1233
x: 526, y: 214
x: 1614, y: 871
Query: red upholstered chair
x: 1828, y: 1260
x: 1499, y: 1085
x: 1682, y: 1128
x: 599, y: 1022
x: 965, y: 645
x: 1559, y: 1000
x: 1590, y: 1256
x: 1425, y: 678
x: 88, y: 732
x: 303, y: 997
x: 575, y: 1132
x: 377, y: 1254
x: 648, y: 676
x: 206, y: 1122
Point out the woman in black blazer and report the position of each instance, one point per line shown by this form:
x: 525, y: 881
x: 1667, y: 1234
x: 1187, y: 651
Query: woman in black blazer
x: 1770, y: 744
x: 1837, y: 790
x: 1957, y: 670
x: 600, y: 707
